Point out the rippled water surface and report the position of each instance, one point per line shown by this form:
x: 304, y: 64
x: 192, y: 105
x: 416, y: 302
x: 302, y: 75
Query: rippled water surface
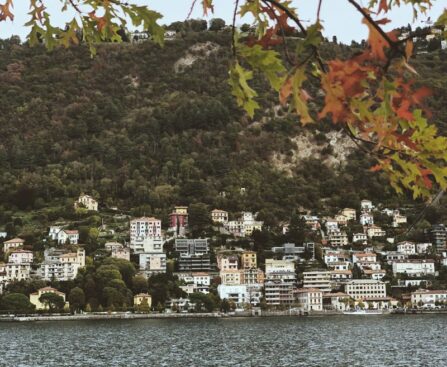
x: 417, y: 340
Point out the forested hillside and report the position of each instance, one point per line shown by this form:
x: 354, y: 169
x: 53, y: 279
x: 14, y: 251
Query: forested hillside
x: 142, y: 131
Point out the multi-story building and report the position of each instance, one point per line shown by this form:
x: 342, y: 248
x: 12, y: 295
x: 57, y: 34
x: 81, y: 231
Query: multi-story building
x: 193, y: 263
x: 219, y: 216
x: 365, y: 288
x: 230, y: 277
x: 178, y: 221
x: 252, y: 276
x: 17, y: 272
x: 375, y: 274
x: 68, y: 236
x: 278, y: 292
x: 349, y: 213
x: 342, y: 220
x: 312, y: 221
x: 407, y: 248
x: 197, y: 246
x: 12, y: 244
x: 244, y: 226
x: 291, y: 251
x: 143, y: 228
x: 366, y: 219
x: 364, y: 256
x: 317, y: 279
x: 227, y: 262
x: 121, y: 253
x: 393, y: 256
x: 281, y: 267
x: 359, y: 237
x: 366, y: 206
x: 336, y: 257
x: 61, y: 266
x: 152, y: 262
x: 341, y: 275
x: 249, y: 260
x: 438, y: 237
x: 20, y: 256
x: 86, y: 201
x: 375, y: 231
x: 53, y: 232
x: 399, y: 219
x: 147, y: 245
x: 339, y: 238
x: 416, y: 267
x: 425, y: 296
x: 310, y: 299
x: 240, y: 294
x: 423, y: 248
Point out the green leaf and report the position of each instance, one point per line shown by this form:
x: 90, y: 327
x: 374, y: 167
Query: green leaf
x: 244, y: 94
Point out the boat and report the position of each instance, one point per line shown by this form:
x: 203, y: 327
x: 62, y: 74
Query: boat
x: 364, y: 312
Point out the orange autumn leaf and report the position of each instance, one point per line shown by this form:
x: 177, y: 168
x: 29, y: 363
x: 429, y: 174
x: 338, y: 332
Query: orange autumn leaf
x: 376, y: 40
x: 101, y: 22
x: 5, y: 11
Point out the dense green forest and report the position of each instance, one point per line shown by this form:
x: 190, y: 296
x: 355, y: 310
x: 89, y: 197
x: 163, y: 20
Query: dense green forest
x: 127, y: 128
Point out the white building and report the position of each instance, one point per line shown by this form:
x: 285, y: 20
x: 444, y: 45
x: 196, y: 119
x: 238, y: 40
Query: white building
x: 310, y: 299
x: 152, y: 263
x: 392, y: 256
x: 121, y: 253
x: 375, y: 231
x: 68, y: 236
x: 239, y: 294
x: 366, y: 206
x: 375, y: 274
x: 244, y: 226
x: 12, y: 244
x: 359, y: 237
x: 406, y: 247
x: 53, y: 232
x: 336, y: 257
x: 338, y: 239
x: 317, y: 279
x: 417, y: 267
x: 219, y: 216
x: 423, y: 248
x: 111, y: 246
x: 148, y: 244
x: 61, y: 266
x: 227, y: 262
x: 430, y: 297
x: 86, y: 201
x: 142, y: 228
x: 364, y: 256
x: 17, y: 272
x: 331, y: 225
x: 349, y: 213
x: 366, y: 219
x: 230, y: 277
x: 365, y: 288
x: 280, y: 269
x: 399, y: 219
x: 21, y: 257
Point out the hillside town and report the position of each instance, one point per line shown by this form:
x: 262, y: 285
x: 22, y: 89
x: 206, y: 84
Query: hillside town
x: 341, y: 263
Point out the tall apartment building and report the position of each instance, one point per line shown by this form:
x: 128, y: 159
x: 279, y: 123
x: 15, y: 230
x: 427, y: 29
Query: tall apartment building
x: 248, y: 260
x: 365, y: 288
x: 142, y: 228
x: 60, y: 265
x: 438, y: 236
x: 196, y: 246
x: 178, y: 221
x: 280, y: 281
x: 317, y: 279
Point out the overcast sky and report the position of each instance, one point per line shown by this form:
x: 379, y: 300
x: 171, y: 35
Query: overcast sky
x: 340, y: 18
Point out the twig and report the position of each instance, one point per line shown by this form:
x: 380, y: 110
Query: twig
x: 191, y: 9
x: 319, y: 9
x: 233, y: 30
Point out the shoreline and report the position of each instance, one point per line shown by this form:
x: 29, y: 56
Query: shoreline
x: 211, y: 315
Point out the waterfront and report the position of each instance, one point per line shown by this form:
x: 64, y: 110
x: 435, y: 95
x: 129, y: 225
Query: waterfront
x: 392, y: 340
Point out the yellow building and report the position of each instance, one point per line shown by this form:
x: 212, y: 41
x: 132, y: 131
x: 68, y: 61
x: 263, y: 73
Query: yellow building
x: 34, y: 297
x: 248, y: 260
x: 138, y: 299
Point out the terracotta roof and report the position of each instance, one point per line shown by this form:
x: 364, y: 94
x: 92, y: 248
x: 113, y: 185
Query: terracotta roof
x: 307, y: 290
x: 341, y: 272
x: 15, y: 240
x: 21, y: 251
x: 71, y: 231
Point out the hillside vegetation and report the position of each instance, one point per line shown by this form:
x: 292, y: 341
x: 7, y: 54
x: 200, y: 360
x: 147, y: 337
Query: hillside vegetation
x: 142, y: 131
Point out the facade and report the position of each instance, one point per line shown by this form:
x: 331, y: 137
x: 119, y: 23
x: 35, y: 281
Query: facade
x: 140, y: 298
x: 219, y: 216
x: 335, y: 301
x: 336, y: 257
x: 240, y: 294
x: 121, y: 253
x: 21, y: 257
x: 423, y: 248
x: 17, y: 271
x: 143, y: 228
x: 393, y: 256
x: 86, y: 201
x: 148, y: 244
x: 152, y: 263
x: 366, y: 219
x: 278, y: 292
x: 193, y: 263
x: 317, y: 279
x: 376, y: 274
x: 430, y: 297
x: 185, y: 247
x: 68, y: 236
x: 227, y: 262
x: 252, y: 276
x: 399, y: 219
x: 365, y: 288
x: 366, y: 206
x: 52, y: 233
x: 359, y: 237
x: 244, y: 226
x: 34, y: 297
x: 12, y: 244
x: 349, y: 213
x: 341, y: 275
x: 341, y: 219
x: 338, y: 239
x: 414, y: 267
x: 61, y: 266
x: 438, y: 237
x: 249, y: 260
x: 364, y: 257
x: 230, y: 277
x: 310, y: 299
x: 111, y: 246
x: 375, y: 231
x: 178, y: 221
x: 292, y: 251
x: 407, y: 248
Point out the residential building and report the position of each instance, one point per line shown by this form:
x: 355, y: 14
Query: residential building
x: 407, y: 248
x: 365, y: 288
x: 17, y: 272
x: 340, y: 265
x: 331, y: 225
x: 70, y: 236
x: 34, y: 298
x: 148, y: 245
x: 370, y: 265
x: 198, y: 246
x: 194, y: 263
x: 375, y: 274
x: 121, y: 253
x: 438, y: 237
x: 335, y: 257
x: 12, y: 244
x: 87, y: 202
x: 366, y: 206
x: 53, y: 232
x: 428, y: 297
x: 363, y: 256
x: 336, y: 301
x: 349, y: 213
x: 244, y: 226
x: 3, y: 234
x: 178, y: 221
x: 60, y: 265
x: 142, y: 228
x: 317, y: 279
x: 278, y: 292
x: 341, y: 275
x: 375, y: 231
x: 312, y: 221
x: 423, y: 248
x: 252, y: 276
x: 249, y: 260
x: 338, y: 239
x: 279, y: 267
x: 230, y: 277
x: 366, y: 219
x: 20, y: 256
x: 310, y: 299
x: 219, y: 216
x: 399, y: 219
x: 142, y: 298
x: 417, y: 267
x: 360, y: 237
x: 291, y: 251
x: 240, y: 294
x: 227, y: 262
x: 393, y: 256
x: 342, y: 220
x: 152, y: 262
x: 111, y: 246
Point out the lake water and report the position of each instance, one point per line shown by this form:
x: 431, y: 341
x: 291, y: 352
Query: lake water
x: 367, y: 341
